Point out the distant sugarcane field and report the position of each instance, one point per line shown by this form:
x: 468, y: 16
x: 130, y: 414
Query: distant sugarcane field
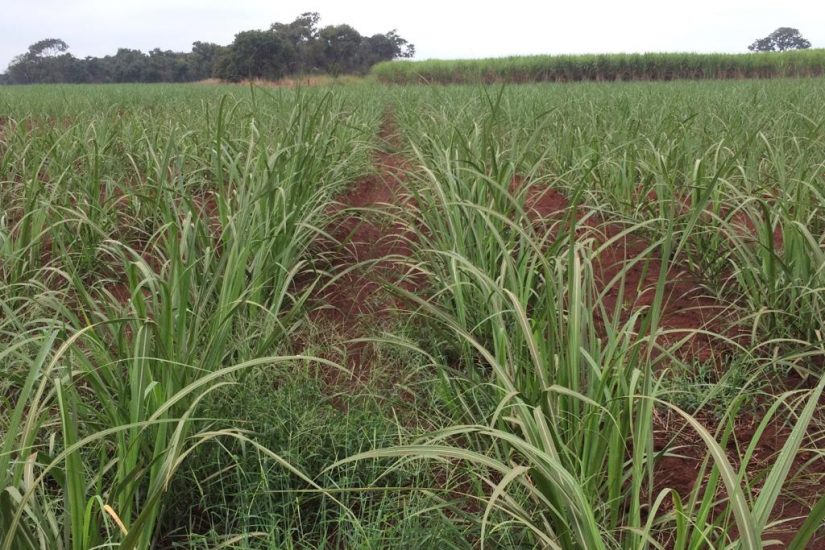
x: 604, y: 67
x: 365, y: 316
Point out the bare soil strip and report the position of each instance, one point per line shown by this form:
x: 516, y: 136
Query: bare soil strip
x: 363, y: 255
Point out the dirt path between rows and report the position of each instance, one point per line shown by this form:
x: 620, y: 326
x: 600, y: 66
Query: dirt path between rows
x: 364, y: 252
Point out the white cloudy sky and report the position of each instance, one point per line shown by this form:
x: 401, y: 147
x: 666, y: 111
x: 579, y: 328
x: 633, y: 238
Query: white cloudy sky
x: 438, y: 28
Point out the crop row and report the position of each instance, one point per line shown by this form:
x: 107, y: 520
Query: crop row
x: 604, y: 67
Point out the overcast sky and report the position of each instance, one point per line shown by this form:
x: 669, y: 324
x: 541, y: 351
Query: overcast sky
x: 439, y: 29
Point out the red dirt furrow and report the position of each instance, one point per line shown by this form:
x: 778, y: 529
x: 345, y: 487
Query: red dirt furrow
x: 364, y: 254
x: 741, y: 225
x: 686, y: 312
x: 626, y: 273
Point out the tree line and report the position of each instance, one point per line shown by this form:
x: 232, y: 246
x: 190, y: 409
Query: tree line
x: 299, y: 47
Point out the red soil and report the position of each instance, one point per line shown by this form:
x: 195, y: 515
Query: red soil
x: 686, y: 312
x: 686, y: 309
x: 741, y: 224
x: 364, y: 255
x: 681, y: 470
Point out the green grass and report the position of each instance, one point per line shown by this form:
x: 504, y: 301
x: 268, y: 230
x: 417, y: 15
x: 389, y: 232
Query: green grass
x: 163, y: 385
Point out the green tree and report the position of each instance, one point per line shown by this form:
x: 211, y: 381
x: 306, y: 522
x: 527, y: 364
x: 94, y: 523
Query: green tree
x: 383, y: 47
x: 203, y: 58
x: 128, y: 66
x: 783, y: 38
x: 302, y: 35
x: 166, y: 66
x: 256, y: 54
x: 339, y: 48
x: 225, y: 68
x: 49, y: 47
x: 45, y: 61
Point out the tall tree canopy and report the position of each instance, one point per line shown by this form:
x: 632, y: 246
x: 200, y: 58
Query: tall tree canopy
x: 783, y: 38
x: 48, y: 48
x: 260, y: 54
x: 299, y: 47
x: 45, y: 61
